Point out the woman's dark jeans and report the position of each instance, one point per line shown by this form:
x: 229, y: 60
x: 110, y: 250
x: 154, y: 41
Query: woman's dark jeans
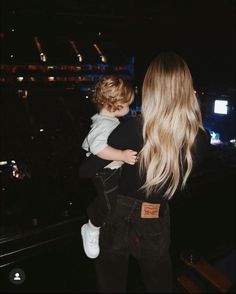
x: 148, y: 240
x: 106, y: 184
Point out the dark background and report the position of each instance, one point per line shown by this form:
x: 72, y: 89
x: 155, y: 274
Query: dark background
x: 41, y: 214
x: 203, y: 32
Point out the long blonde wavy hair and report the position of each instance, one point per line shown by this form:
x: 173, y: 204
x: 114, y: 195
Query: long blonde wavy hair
x: 171, y: 120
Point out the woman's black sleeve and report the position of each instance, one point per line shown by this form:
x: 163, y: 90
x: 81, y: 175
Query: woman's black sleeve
x: 201, y: 151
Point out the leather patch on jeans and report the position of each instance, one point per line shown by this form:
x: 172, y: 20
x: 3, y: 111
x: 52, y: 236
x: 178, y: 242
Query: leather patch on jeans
x: 150, y: 210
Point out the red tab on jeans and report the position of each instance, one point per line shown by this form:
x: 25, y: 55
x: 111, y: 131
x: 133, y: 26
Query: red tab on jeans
x: 150, y: 210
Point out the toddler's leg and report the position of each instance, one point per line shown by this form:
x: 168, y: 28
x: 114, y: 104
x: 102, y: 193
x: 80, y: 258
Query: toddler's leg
x: 106, y: 184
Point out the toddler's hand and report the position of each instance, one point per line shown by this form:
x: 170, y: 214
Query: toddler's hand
x: 129, y: 156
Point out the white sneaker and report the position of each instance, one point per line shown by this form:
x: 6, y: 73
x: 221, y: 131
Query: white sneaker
x: 90, y: 239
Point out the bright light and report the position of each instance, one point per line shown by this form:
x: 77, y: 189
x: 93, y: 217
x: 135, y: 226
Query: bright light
x: 22, y: 93
x: 80, y: 57
x: 103, y: 58
x: 20, y: 79
x: 215, y: 138
x: 51, y: 79
x: 221, y: 106
x: 43, y: 57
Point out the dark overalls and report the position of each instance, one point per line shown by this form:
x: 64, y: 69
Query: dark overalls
x: 106, y: 183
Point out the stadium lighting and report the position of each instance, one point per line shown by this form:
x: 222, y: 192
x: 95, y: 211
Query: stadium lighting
x: 221, y: 107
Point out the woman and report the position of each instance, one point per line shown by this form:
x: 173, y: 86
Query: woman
x: 171, y: 142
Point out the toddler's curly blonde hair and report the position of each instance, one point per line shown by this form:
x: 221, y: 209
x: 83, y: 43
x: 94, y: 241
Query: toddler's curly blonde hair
x: 111, y: 92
